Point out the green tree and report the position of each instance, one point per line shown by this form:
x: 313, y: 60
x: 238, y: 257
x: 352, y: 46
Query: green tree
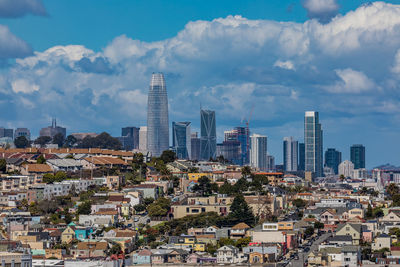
x: 309, y: 231
x: 241, y: 212
x: 3, y: 165
x: 41, y: 159
x: 70, y: 141
x: 226, y: 241
x: 246, y: 171
x: 299, y: 203
x: 318, y: 225
x: 392, y: 189
x: 60, y: 176
x: 42, y: 140
x: 58, y: 139
x: 115, y: 249
x: 226, y: 189
x: 48, y: 178
x: 369, y: 213
x: 159, y: 208
x: 211, y: 249
x: 140, y: 207
x: 85, y: 208
x: 103, y: 140
x: 203, y: 186
x: 243, y: 242
x: 168, y: 156
x: 21, y: 142
x: 148, y: 200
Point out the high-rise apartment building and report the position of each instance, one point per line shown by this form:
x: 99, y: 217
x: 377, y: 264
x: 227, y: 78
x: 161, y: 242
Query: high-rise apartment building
x: 181, y: 139
x: 52, y: 130
x: 22, y: 132
x: 302, y: 157
x: 313, y: 143
x: 133, y: 134
x: 357, y: 156
x: 258, y: 152
x: 208, y: 137
x: 6, y: 133
x: 143, y: 138
x: 346, y: 168
x: 195, y: 146
x: 332, y: 159
x: 157, y: 116
x: 231, y: 151
x: 290, y: 154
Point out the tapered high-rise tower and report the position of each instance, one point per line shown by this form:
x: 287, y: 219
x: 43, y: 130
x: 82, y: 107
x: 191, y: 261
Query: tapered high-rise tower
x: 313, y: 143
x: 157, y: 116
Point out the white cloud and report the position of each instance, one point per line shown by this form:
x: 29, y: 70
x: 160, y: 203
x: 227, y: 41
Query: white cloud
x: 23, y: 86
x: 284, y: 64
x: 19, y: 8
x: 351, y: 81
x: 323, y: 10
x: 11, y: 46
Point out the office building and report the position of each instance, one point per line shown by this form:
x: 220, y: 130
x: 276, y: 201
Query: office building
x: 143, y: 138
x: 6, y: 133
x: 313, y: 143
x: 22, y: 132
x: 242, y: 135
x: 195, y: 146
x: 157, y: 116
x: 181, y: 139
x: 270, y: 163
x: 290, y: 154
x: 357, y: 156
x: 231, y: 151
x: 258, y: 152
x: 332, y: 159
x: 132, y: 134
x: 302, y: 157
x: 346, y: 168
x: 208, y: 135
x: 52, y: 130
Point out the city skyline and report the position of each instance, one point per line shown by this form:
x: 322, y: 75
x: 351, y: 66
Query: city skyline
x: 96, y: 86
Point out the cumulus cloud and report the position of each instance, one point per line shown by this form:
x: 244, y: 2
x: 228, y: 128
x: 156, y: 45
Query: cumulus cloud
x: 351, y: 81
x: 20, y: 8
x: 11, y: 46
x: 228, y: 64
x: 323, y: 10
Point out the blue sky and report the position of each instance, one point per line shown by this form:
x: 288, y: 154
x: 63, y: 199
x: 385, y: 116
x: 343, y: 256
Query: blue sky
x: 89, y: 63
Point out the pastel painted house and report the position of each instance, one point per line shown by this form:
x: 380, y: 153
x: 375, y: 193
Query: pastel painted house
x: 82, y: 233
x: 141, y: 257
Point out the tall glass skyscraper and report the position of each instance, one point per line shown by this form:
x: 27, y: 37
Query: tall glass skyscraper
x: 357, y: 156
x: 181, y: 139
x: 332, y: 159
x: 313, y: 143
x: 208, y: 137
x: 290, y: 154
x: 302, y: 157
x: 258, y: 152
x: 240, y: 134
x: 157, y: 116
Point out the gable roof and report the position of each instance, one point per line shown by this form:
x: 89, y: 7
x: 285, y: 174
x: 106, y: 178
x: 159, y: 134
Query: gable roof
x: 241, y: 226
x: 38, y: 168
x: 356, y: 227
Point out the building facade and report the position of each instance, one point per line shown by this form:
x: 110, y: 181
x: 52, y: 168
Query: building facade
x: 302, y: 157
x: 258, y: 152
x: 52, y: 130
x: 22, y: 132
x: 357, y: 156
x: 241, y: 135
x: 290, y: 154
x: 157, y: 116
x: 143, y: 138
x: 195, y: 146
x: 313, y: 143
x: 346, y: 168
x: 208, y: 138
x: 181, y: 139
x: 131, y: 135
x: 332, y: 159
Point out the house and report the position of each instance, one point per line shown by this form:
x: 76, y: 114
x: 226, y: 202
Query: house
x: 261, y: 253
x: 64, y: 164
x: 141, y: 257
x: 351, y: 256
x: 35, y: 169
x: 68, y: 234
x: 239, y: 230
x: 82, y: 233
x: 391, y: 217
x: 382, y: 241
x: 91, y: 249
x: 177, y: 256
x: 229, y: 254
x: 340, y: 240
x: 98, y: 220
x: 353, y: 230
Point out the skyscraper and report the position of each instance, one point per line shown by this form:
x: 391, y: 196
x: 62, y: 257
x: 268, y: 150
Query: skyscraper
x: 357, y: 156
x: 302, y: 157
x: 129, y: 138
x: 181, y: 139
x: 346, y: 168
x: 143, y: 138
x: 290, y: 154
x: 6, y: 133
x: 195, y: 146
x: 258, y: 152
x: 313, y: 143
x: 332, y: 159
x: 240, y: 134
x: 208, y: 138
x: 157, y: 116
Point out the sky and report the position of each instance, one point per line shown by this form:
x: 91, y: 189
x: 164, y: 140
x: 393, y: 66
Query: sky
x: 89, y: 63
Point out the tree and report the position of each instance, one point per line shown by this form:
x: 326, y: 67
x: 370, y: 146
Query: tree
x: 48, y: 178
x: 103, y: 140
x: 241, y: 212
x: 246, y: 171
x: 392, y: 189
x: 299, y: 203
x: 42, y: 140
x: 139, y: 207
x: 3, y: 165
x: 70, y: 141
x: 318, y: 225
x: 168, y: 156
x: 85, y: 208
x: 148, y: 200
x: 115, y: 249
x: 243, y: 242
x: 203, y: 186
x: 40, y: 159
x: 309, y: 231
x: 159, y: 208
x: 58, y: 139
x: 60, y: 176
x: 226, y: 189
x: 21, y: 142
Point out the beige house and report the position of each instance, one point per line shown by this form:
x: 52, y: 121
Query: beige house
x: 390, y: 217
x: 382, y: 241
x: 180, y: 211
x: 353, y: 230
x: 68, y: 234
